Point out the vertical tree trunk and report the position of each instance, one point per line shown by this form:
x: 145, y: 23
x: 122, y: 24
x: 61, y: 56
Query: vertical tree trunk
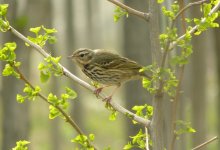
x: 157, y: 120
x: 198, y: 86
x: 217, y: 37
x: 137, y: 49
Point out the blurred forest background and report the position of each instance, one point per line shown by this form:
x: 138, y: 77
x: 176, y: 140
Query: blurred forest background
x: 89, y: 23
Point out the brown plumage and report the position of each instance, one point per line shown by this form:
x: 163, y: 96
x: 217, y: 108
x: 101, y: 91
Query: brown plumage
x: 106, y: 67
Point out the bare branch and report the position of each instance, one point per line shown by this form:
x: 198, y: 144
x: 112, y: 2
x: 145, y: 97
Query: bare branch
x: 143, y: 15
x: 205, y: 143
x: 68, y: 74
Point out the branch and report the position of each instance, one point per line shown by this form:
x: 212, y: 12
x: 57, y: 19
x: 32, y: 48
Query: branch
x: 68, y: 74
x: 142, y: 15
x: 205, y: 143
x: 214, y: 9
x: 188, y: 6
x: 68, y: 119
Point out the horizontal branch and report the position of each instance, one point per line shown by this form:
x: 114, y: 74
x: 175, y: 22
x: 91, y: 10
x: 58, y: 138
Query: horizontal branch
x: 143, y: 15
x: 68, y: 74
x: 193, y: 30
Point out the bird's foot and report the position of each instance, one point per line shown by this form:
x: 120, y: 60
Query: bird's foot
x: 98, y: 91
x: 107, y: 99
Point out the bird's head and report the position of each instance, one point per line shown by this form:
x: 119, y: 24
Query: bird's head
x: 82, y: 56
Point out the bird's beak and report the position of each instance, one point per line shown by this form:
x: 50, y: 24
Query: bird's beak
x: 69, y: 57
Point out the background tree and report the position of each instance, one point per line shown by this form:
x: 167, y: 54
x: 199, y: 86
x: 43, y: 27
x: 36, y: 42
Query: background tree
x: 90, y: 29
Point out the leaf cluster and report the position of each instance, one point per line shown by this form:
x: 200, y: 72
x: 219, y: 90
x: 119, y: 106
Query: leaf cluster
x: 83, y: 141
x: 137, y: 141
x: 7, y: 54
x: 30, y: 93
x: 183, y: 127
x: 118, y: 13
x: 4, y: 24
x: 61, y: 102
x: 49, y: 67
x: 21, y: 145
x: 42, y: 35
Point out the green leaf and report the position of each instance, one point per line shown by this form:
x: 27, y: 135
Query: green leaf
x: 52, y: 99
x: 53, y: 112
x: 35, y: 30
x: 21, y: 145
x: 118, y: 13
x: 44, y: 76
x: 160, y: 1
x: 183, y: 127
x: 3, y: 9
x: 128, y: 146
x: 72, y: 94
x: 91, y: 137
x: 20, y: 98
x: 49, y: 31
x: 113, y: 115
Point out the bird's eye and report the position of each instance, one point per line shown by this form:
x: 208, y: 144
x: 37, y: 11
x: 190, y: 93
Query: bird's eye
x: 82, y: 55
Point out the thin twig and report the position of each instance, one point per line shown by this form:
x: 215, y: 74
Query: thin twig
x: 147, y: 139
x: 188, y: 6
x: 214, y: 9
x: 205, y: 143
x: 143, y: 15
x: 68, y: 74
x: 180, y: 79
x: 67, y: 117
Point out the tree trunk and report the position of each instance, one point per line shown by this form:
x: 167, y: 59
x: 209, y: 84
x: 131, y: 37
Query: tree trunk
x: 137, y: 49
x: 158, y: 118
x: 198, y: 86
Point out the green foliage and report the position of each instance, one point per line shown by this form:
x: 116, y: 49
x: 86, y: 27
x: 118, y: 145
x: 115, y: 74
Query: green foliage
x: 83, y: 141
x: 8, y: 55
x: 183, y: 127
x: 4, y: 24
x: 119, y: 13
x: 50, y: 67
x: 160, y: 1
x: 145, y: 111
x: 207, y: 21
x: 7, y: 52
x: 61, y: 102
x: 41, y: 39
x: 171, y: 13
x: 186, y: 51
x: 30, y: 93
x: 113, y: 115
x: 21, y: 145
x: 166, y: 74
x: 137, y: 141
x: 170, y: 82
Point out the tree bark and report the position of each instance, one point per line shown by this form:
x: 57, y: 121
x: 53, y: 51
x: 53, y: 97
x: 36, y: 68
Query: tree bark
x: 157, y: 120
x: 137, y: 49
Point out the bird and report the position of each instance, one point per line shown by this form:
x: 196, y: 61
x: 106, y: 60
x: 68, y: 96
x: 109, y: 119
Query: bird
x: 107, y: 68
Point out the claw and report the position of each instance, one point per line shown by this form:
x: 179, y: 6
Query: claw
x: 98, y: 91
x: 107, y: 99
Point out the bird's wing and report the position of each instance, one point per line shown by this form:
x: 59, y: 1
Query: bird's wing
x: 109, y: 60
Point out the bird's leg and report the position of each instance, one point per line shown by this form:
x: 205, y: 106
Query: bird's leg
x: 109, y: 98
x: 99, y: 90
